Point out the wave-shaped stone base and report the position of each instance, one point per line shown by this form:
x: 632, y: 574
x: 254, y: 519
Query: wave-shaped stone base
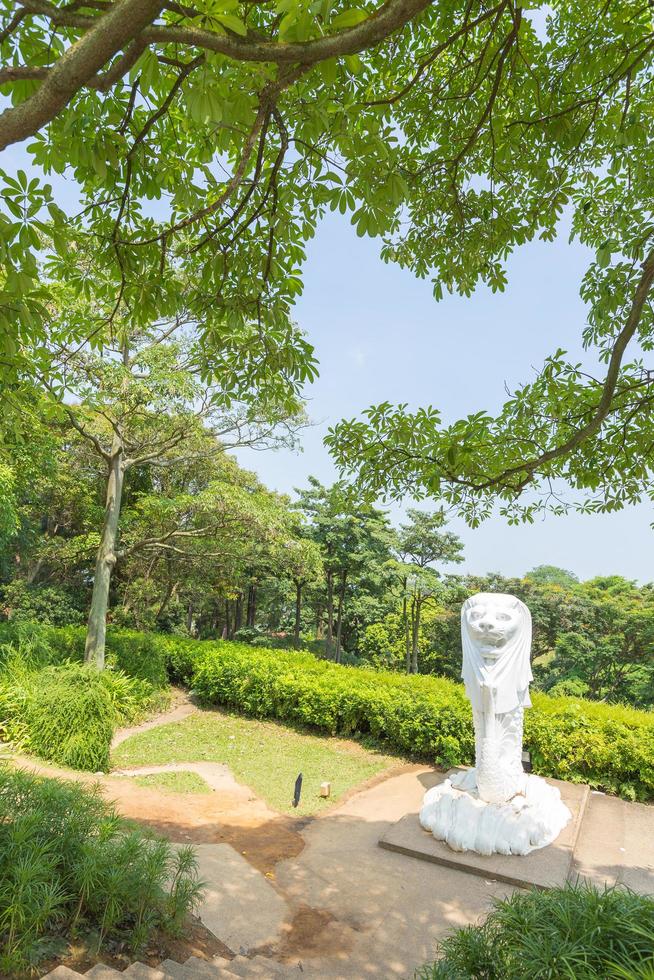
x: 454, y: 813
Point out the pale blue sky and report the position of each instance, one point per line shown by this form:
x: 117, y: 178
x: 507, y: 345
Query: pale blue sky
x: 380, y: 335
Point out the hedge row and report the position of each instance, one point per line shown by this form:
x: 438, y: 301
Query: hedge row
x: 609, y: 746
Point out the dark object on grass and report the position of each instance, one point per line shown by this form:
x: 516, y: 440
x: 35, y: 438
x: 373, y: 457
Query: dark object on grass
x: 298, y: 790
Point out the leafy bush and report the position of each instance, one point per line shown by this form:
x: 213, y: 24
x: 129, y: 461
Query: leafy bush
x: 576, y: 932
x: 608, y: 746
x: 67, y: 712
x: 141, y: 655
x: 50, y: 604
x: 70, y: 868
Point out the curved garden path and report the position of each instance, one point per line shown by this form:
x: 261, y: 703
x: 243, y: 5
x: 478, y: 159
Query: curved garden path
x: 316, y: 898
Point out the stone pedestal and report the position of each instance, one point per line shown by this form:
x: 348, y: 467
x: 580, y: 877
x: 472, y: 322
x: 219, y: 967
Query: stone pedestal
x: 543, y: 868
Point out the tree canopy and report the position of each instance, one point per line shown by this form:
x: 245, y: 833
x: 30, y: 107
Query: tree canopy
x: 213, y: 136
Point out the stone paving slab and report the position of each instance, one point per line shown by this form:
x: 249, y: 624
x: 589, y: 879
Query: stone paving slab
x: 616, y: 844
x: 549, y: 866
x: 240, y: 906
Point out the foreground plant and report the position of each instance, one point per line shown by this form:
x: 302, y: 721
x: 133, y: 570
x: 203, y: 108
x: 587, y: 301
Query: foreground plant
x: 575, y: 931
x: 69, y: 868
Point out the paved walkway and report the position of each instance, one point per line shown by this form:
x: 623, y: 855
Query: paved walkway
x: 320, y: 900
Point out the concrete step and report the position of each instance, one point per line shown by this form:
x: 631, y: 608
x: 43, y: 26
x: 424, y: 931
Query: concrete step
x: 173, y: 969
x: 139, y: 971
x: 102, y: 972
x: 218, y: 968
x: 198, y: 969
x: 63, y: 973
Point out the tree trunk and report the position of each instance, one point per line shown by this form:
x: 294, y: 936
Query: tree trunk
x: 252, y: 606
x: 298, y: 613
x: 238, y: 612
x: 105, y: 560
x: 339, y: 620
x: 189, y: 618
x: 407, y: 636
x: 319, y: 623
x: 228, y: 621
x: 329, y: 639
x: 414, y: 639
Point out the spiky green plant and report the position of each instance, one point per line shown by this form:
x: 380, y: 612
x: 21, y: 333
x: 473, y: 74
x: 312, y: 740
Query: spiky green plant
x: 69, y: 866
x: 573, y: 933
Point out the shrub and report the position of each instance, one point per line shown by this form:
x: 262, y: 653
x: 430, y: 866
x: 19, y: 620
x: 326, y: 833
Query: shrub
x: 65, y: 713
x: 141, y: 655
x: 575, y: 932
x: 608, y: 746
x: 69, y: 868
x: 51, y: 604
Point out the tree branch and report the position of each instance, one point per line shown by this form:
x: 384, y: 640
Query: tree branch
x: 108, y: 34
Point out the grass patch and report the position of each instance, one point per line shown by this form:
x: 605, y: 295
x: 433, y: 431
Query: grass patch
x: 264, y: 755
x: 173, y: 782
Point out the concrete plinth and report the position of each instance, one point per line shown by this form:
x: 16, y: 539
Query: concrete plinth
x: 543, y: 868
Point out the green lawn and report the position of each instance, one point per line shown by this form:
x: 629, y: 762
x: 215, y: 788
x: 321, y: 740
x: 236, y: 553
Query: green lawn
x: 264, y: 755
x: 173, y: 782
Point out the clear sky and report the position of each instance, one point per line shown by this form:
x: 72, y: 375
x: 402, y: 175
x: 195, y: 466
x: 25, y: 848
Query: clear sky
x: 380, y: 335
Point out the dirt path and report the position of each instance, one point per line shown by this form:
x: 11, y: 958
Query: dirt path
x: 338, y: 906
x: 181, y: 707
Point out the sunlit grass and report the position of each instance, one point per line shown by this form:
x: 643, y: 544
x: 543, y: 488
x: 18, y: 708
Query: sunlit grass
x: 263, y: 755
x: 173, y: 782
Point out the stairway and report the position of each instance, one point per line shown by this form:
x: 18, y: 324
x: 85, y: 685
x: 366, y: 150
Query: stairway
x: 193, y: 969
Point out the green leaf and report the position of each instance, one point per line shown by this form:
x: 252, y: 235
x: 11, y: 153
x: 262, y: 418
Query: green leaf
x: 354, y: 64
x: 349, y: 18
x: 232, y: 23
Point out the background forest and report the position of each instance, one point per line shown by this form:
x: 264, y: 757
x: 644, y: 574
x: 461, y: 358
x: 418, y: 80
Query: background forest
x: 204, y: 549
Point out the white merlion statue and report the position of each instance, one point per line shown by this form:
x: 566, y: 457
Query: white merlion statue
x: 495, y: 807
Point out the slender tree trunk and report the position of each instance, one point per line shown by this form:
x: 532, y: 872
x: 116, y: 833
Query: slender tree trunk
x: 407, y: 638
x: 171, y: 589
x: 319, y: 622
x: 329, y: 640
x: 189, y: 617
x: 105, y: 560
x: 415, y: 637
x: 228, y: 620
x: 339, y: 620
x: 252, y: 606
x: 298, y: 613
x: 238, y: 612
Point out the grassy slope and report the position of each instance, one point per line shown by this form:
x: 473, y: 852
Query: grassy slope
x: 264, y: 755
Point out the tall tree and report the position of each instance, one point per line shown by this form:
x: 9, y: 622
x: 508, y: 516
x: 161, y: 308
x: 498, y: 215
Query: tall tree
x: 352, y: 536
x: 540, y: 112
x: 422, y: 543
x: 143, y: 403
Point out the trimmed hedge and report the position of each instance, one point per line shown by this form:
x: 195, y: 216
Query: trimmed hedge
x: 608, y: 746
